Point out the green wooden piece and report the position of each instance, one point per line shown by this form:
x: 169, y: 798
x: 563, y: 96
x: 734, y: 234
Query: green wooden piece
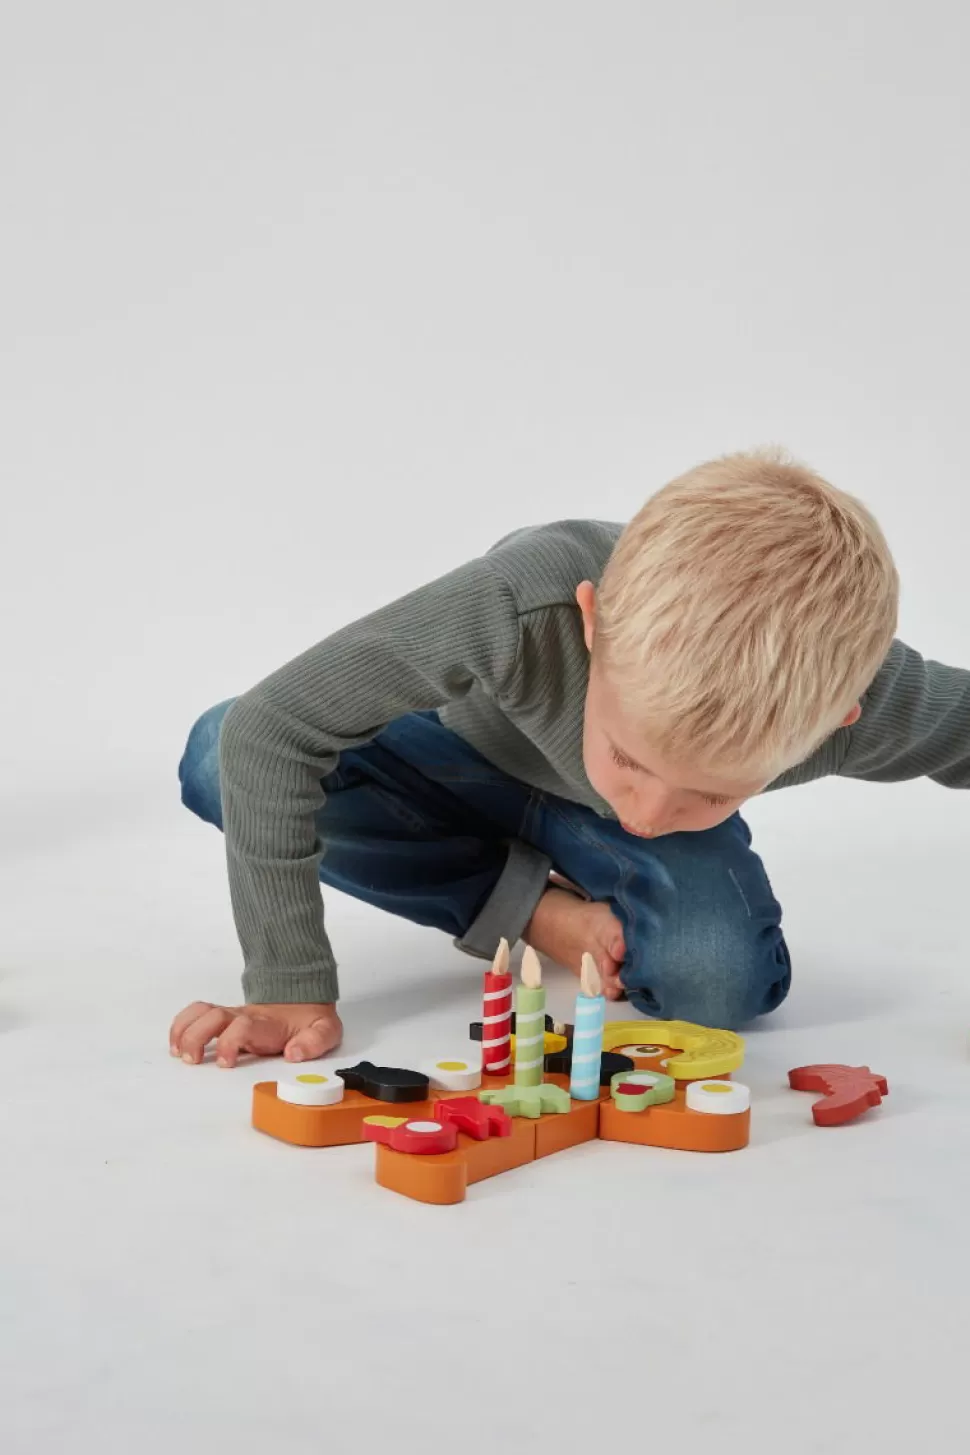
x: 528, y: 1101
x: 655, y: 1093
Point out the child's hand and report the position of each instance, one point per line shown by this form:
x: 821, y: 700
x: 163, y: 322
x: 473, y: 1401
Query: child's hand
x: 564, y: 926
x: 301, y: 1032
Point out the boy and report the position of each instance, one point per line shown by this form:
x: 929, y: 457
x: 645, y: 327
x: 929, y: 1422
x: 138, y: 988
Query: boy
x: 585, y: 707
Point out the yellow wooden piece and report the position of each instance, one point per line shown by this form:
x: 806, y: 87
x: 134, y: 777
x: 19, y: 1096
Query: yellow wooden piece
x: 551, y: 1044
x: 386, y: 1121
x: 705, y: 1052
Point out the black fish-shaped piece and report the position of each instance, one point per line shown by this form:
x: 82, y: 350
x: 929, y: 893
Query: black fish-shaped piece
x: 386, y: 1083
x: 560, y: 1063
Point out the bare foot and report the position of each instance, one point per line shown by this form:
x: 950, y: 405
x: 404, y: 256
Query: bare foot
x: 564, y: 927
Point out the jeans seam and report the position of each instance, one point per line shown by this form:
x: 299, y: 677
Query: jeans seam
x: 744, y: 898
x: 529, y: 814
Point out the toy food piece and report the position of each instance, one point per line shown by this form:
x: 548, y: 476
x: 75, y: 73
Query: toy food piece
x: 848, y: 1091
x: 718, y: 1098
x: 636, y: 1090
x: 455, y: 1074
x: 560, y: 1064
x: 427, y: 1138
x: 386, y: 1083
x: 529, y: 1101
x: 311, y: 1088
x: 704, y: 1053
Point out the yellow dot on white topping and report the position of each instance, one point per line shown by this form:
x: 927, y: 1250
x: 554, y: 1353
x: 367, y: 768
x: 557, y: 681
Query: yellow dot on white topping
x: 311, y: 1079
x: 452, y: 1066
x: 721, y: 1086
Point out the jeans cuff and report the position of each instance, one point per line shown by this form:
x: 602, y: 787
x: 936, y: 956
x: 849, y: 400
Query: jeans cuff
x: 511, y: 904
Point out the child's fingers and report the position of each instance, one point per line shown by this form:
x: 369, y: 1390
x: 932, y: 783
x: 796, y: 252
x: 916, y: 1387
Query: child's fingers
x: 202, y: 1031
x: 612, y: 985
x: 313, y: 1041
x: 183, y: 1020
x: 262, y: 1035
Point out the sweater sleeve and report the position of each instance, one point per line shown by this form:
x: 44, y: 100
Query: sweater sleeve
x: 915, y: 723
x: 279, y: 740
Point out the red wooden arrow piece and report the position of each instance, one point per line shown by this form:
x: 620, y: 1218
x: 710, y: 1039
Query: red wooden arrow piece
x: 848, y: 1091
x: 471, y: 1116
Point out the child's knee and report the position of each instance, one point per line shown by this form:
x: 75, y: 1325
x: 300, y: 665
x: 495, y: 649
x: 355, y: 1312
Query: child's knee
x: 199, y: 768
x: 725, y: 980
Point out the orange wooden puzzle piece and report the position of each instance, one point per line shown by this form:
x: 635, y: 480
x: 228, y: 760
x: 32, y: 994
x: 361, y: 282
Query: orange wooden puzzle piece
x: 433, y: 1150
x: 339, y: 1125
x: 676, y: 1126
x: 443, y: 1179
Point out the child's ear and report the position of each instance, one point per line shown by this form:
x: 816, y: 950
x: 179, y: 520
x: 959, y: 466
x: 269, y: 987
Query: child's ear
x: 586, y: 599
x: 853, y: 716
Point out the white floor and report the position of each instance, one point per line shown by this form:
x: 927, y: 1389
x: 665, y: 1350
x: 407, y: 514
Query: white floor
x: 172, y: 1280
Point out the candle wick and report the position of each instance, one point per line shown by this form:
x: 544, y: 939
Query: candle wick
x: 500, y: 964
x: 590, y: 980
x: 531, y: 969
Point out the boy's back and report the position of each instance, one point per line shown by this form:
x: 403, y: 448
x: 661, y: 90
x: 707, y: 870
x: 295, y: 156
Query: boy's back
x: 499, y: 649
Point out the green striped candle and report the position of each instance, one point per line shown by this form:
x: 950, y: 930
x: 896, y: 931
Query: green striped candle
x: 530, y: 1022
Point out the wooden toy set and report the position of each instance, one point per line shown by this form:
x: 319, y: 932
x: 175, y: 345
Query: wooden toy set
x: 847, y: 1091
x: 547, y: 1088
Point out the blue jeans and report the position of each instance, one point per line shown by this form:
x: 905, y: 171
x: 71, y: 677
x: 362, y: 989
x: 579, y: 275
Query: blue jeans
x: 417, y: 822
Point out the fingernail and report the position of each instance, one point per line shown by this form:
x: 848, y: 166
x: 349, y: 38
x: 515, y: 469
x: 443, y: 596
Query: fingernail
x: 173, y: 1050
x: 221, y: 1061
x: 187, y: 1059
x: 296, y: 1054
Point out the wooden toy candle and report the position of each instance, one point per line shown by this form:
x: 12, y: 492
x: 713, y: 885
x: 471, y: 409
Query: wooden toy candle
x: 584, y: 1081
x: 497, y: 1014
x: 530, y: 1022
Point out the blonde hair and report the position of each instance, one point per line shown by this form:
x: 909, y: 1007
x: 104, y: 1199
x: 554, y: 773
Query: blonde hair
x: 743, y: 612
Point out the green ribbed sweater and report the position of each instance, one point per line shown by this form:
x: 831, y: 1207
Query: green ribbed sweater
x: 497, y: 647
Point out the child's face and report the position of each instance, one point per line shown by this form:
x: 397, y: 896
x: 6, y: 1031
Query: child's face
x: 648, y: 796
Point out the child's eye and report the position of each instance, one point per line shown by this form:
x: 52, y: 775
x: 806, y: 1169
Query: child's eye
x: 715, y: 802
x: 620, y: 760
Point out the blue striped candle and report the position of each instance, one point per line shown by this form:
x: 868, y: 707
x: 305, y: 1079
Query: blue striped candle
x: 584, y: 1081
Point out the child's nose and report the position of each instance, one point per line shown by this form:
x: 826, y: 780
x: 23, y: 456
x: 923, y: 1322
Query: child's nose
x: 654, y: 810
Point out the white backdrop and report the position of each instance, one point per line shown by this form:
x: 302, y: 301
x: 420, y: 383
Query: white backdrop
x: 304, y: 303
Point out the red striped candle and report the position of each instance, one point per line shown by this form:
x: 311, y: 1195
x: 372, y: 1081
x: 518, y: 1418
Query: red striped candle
x: 497, y: 1015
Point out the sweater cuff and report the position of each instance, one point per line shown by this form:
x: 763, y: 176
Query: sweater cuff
x: 511, y: 904
x: 304, y: 985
